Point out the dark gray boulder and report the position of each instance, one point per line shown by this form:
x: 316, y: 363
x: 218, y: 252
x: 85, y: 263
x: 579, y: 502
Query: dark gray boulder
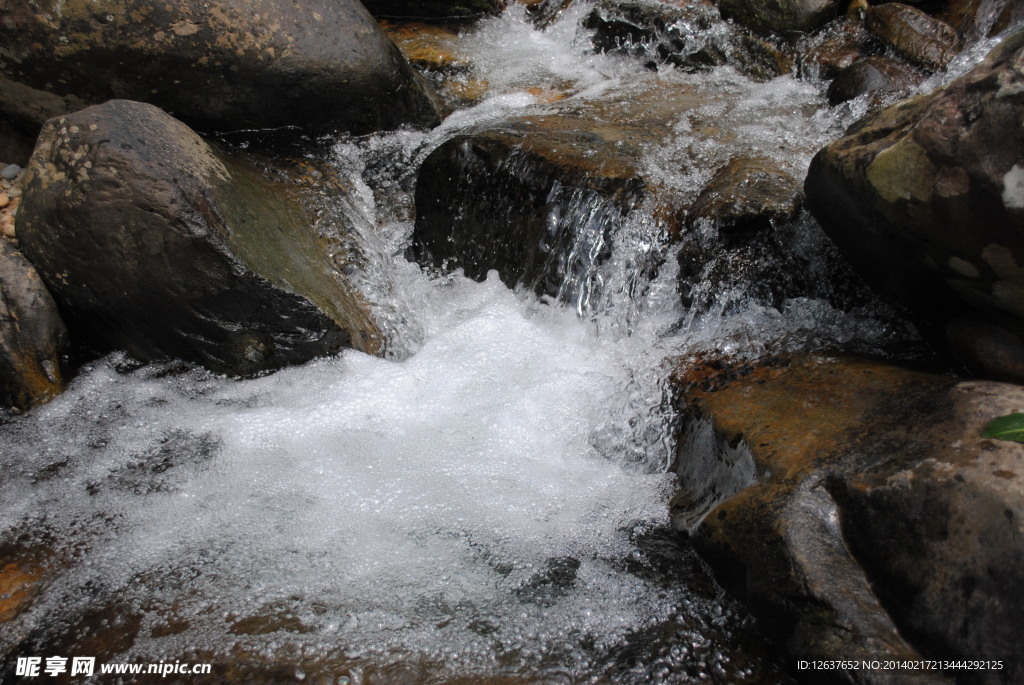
x: 926, y: 197
x: 153, y: 243
x: 224, y: 64
x: 876, y: 74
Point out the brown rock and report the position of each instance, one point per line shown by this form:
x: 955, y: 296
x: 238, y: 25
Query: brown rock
x: 32, y: 335
x: 837, y: 46
x: 837, y: 492
x: 918, y: 37
x: 748, y: 194
x: 19, y: 583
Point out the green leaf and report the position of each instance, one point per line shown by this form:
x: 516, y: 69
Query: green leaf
x: 1009, y: 427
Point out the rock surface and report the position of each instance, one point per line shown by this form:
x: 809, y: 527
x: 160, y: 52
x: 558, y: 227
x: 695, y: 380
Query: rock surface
x: 225, y: 64
x: 918, y: 37
x: 687, y: 35
x: 784, y: 17
x: 434, y: 10
x: 538, y: 197
x: 876, y: 74
x: 836, y: 492
x: 926, y: 198
x: 32, y: 335
x: 748, y: 194
x: 153, y: 243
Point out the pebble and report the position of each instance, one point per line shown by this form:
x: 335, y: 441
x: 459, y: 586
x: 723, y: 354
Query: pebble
x: 7, y: 226
x: 4, y: 200
x: 10, y: 172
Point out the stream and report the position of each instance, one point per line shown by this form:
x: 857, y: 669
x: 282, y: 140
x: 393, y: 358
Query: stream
x: 485, y: 503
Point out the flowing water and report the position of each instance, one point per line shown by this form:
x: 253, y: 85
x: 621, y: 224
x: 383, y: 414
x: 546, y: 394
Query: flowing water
x: 489, y: 500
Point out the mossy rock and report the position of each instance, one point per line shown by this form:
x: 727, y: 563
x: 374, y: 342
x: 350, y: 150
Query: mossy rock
x: 154, y: 243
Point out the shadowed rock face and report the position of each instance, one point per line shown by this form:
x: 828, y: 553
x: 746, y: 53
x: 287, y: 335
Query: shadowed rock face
x: 836, y: 492
x: 32, y: 335
x: 226, y: 64
x: 153, y: 243
x: 785, y: 17
x: 926, y: 198
x: 433, y: 10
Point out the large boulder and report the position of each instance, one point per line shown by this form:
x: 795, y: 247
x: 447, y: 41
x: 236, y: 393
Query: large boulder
x: 857, y: 505
x: 152, y: 242
x: 32, y: 335
x: 225, y: 64
x: 926, y: 198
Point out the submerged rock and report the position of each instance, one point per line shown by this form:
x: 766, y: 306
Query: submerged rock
x: 926, y: 198
x: 32, y: 335
x: 153, y: 243
x: 918, y: 37
x: 835, y: 492
x: 228, y: 65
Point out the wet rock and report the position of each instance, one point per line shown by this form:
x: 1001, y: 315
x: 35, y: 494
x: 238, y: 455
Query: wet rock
x: 22, y: 572
x: 784, y: 17
x: 538, y: 198
x: 973, y: 19
x: 688, y: 35
x: 878, y: 75
x: 835, y: 48
x: 506, y: 200
x: 226, y: 65
x: 433, y: 9
x: 916, y: 36
x: 436, y: 51
x: 154, y: 243
x: 32, y: 335
x: 748, y: 194
x: 837, y: 492
x: 926, y: 198
x: 662, y: 30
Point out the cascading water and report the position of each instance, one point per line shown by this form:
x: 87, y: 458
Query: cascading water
x: 488, y: 500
